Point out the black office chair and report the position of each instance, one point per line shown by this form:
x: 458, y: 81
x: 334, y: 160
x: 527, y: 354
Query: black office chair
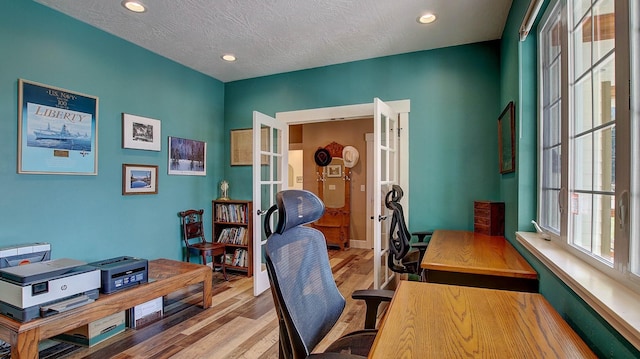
x: 307, y: 300
x: 405, y: 257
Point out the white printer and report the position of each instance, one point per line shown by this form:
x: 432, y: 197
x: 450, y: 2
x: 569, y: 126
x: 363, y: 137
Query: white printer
x: 48, y: 287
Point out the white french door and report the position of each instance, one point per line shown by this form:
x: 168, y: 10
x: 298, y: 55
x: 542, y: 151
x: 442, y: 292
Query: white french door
x: 385, y: 130
x: 270, y: 153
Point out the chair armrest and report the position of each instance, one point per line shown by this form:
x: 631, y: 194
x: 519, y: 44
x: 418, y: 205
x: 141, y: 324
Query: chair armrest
x: 422, y: 234
x: 421, y: 246
x: 372, y: 298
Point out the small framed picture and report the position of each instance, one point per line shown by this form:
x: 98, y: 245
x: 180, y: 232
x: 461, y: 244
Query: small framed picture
x: 140, y: 133
x: 187, y: 157
x: 139, y: 179
x: 334, y: 171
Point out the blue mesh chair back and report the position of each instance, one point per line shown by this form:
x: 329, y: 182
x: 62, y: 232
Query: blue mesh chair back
x: 307, y: 298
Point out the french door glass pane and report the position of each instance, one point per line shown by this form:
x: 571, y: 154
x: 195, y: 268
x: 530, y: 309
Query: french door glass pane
x: 593, y: 224
x: 582, y: 106
x: 551, y: 218
x: 582, y: 37
x: 603, y: 226
x: 554, y: 83
x: 551, y: 130
x: 604, y: 92
x: 551, y: 176
x: 604, y: 157
x: 603, y: 29
x: 579, y: 8
x: 582, y: 163
x: 581, y: 205
x: 553, y: 41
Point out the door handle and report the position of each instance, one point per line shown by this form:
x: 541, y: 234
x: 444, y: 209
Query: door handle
x: 382, y: 218
x: 260, y: 212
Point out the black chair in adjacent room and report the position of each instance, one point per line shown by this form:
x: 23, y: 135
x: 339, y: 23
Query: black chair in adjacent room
x: 405, y: 257
x: 307, y: 300
x: 196, y: 243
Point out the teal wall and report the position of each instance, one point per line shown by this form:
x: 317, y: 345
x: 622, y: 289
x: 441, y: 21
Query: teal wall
x: 454, y: 95
x: 518, y: 190
x: 86, y: 217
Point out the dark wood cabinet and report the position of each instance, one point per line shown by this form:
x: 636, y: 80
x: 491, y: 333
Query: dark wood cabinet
x: 232, y: 225
x: 488, y: 218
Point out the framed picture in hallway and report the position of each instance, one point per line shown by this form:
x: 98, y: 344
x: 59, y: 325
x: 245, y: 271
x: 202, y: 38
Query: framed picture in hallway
x: 334, y: 171
x: 57, y: 130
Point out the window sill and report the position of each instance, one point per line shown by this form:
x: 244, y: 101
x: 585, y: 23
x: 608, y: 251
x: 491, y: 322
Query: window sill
x: 616, y: 303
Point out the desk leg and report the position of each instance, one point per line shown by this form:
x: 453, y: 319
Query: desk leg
x: 25, y: 344
x: 206, y: 290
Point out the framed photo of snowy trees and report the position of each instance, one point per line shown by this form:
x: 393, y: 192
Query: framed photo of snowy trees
x: 187, y: 157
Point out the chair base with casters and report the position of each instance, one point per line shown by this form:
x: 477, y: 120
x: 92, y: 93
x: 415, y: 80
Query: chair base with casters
x: 196, y: 243
x: 307, y: 300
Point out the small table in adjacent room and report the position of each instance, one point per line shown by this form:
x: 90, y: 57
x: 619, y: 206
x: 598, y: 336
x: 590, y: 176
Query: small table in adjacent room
x: 477, y: 260
x: 427, y: 320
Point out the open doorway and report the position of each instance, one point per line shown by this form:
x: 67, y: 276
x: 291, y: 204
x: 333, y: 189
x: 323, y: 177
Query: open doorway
x: 338, y: 116
x: 305, y: 139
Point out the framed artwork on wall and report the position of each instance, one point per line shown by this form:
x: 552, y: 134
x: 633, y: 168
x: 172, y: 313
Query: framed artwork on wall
x: 187, y: 157
x: 140, y: 133
x: 139, y: 179
x: 242, y: 147
x: 334, y: 171
x: 57, y: 130
x: 507, y: 139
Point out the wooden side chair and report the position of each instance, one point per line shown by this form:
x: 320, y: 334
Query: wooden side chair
x: 196, y: 243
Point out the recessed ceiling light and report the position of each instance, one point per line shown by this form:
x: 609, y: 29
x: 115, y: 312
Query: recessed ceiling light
x: 427, y: 18
x: 135, y: 6
x: 228, y: 57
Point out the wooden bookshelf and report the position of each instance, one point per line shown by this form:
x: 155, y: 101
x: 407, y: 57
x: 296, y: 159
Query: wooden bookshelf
x: 233, y: 225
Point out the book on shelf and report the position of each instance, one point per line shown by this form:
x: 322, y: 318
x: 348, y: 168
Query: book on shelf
x: 233, y: 235
x: 239, y: 258
x: 231, y: 212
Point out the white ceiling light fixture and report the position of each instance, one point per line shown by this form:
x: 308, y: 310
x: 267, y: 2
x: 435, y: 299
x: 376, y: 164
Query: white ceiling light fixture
x: 228, y: 57
x: 427, y: 18
x: 135, y: 6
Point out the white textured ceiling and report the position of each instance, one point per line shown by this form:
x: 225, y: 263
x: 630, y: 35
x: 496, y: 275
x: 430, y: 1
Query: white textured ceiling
x: 276, y: 36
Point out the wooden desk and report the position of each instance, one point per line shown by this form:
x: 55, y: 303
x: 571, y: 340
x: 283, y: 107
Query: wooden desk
x: 166, y: 276
x: 478, y: 260
x: 426, y: 320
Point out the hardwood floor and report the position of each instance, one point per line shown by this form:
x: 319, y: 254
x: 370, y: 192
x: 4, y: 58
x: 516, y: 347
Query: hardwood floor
x: 238, y: 325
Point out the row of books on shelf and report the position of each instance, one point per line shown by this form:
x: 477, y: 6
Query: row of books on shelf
x: 229, y: 212
x: 233, y: 235
x: 238, y: 258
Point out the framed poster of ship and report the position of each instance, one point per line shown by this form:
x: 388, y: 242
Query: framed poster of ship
x: 57, y: 130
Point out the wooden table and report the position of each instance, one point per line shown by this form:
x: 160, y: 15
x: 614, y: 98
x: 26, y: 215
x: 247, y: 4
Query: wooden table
x: 165, y: 276
x: 427, y: 320
x: 478, y: 260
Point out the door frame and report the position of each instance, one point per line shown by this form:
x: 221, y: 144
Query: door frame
x: 358, y: 111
